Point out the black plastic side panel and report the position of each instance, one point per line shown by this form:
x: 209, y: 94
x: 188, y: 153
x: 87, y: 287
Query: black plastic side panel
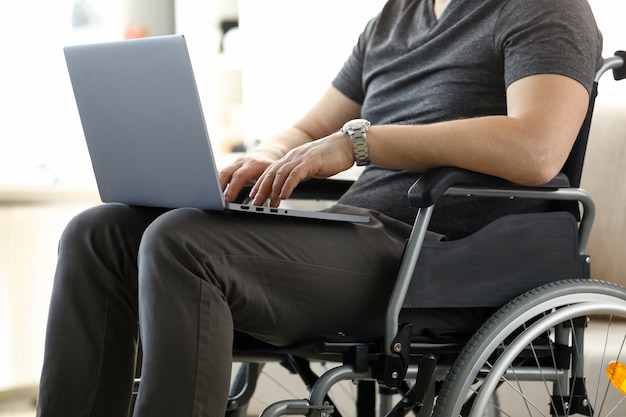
x: 512, y: 255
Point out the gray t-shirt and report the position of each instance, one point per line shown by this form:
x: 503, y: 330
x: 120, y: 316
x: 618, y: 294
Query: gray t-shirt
x: 409, y: 68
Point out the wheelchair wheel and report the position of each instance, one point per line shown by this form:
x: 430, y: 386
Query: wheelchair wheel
x: 545, y: 353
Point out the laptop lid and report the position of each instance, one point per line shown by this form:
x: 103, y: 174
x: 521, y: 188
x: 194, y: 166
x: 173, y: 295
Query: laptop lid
x: 143, y: 123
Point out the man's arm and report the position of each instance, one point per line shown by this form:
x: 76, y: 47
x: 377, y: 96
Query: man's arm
x: 529, y: 145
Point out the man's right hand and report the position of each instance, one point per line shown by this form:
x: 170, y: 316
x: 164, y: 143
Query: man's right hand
x: 245, y: 170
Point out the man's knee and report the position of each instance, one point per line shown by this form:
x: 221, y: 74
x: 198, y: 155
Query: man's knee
x: 107, y: 225
x: 171, y: 231
x: 94, y: 220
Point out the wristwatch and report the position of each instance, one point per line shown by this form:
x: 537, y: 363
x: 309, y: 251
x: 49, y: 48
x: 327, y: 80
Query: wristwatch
x: 356, y: 130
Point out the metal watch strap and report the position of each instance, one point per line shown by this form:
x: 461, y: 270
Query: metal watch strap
x: 356, y: 130
x: 359, y: 145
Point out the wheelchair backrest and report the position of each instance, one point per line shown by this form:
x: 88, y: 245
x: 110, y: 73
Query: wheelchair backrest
x: 573, y: 167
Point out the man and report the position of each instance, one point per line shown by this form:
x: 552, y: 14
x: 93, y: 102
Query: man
x: 495, y: 86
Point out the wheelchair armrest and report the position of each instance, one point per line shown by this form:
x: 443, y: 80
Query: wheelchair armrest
x: 433, y: 184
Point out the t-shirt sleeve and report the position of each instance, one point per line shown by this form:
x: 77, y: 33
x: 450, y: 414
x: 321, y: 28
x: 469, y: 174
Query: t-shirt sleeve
x: 549, y: 36
x: 349, y: 80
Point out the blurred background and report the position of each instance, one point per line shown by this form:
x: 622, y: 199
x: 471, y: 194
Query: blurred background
x: 259, y: 65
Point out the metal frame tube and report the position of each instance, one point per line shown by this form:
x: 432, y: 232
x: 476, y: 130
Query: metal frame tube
x: 405, y: 274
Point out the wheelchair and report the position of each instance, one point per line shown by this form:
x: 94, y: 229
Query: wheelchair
x: 530, y: 358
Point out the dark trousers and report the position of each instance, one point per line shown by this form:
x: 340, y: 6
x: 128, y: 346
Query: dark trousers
x: 185, y: 279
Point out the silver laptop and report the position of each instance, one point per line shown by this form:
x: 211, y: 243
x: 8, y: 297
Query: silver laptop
x: 145, y: 129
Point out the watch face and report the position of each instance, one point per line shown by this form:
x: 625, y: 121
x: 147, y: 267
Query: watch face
x: 356, y: 124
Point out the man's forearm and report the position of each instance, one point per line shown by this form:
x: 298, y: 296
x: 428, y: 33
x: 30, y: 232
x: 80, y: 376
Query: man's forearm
x: 281, y: 143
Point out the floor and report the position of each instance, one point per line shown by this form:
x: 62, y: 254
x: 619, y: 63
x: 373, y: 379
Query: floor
x: 17, y: 409
x: 18, y: 402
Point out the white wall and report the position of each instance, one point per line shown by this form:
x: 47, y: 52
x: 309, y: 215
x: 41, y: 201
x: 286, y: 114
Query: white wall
x: 38, y: 120
x: 292, y: 55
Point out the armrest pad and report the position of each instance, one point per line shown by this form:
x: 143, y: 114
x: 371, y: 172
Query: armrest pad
x: 434, y: 183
